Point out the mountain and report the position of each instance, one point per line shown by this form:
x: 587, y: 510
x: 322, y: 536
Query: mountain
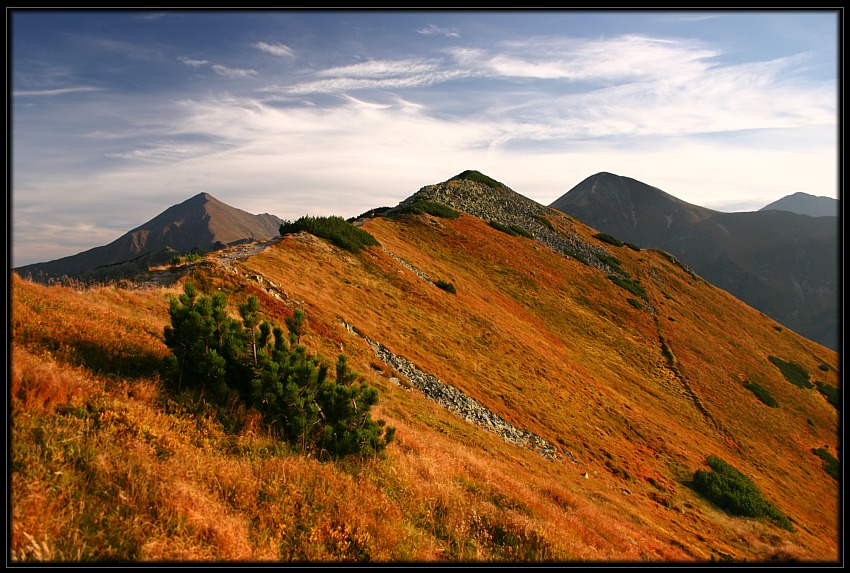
x: 557, y: 398
x: 781, y: 263
x: 198, y: 225
x: 806, y: 204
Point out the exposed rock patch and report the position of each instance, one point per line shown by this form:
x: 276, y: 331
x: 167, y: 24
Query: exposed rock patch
x: 502, y: 205
x: 456, y: 401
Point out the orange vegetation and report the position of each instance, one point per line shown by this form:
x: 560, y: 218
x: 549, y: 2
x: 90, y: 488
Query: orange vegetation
x: 108, y: 464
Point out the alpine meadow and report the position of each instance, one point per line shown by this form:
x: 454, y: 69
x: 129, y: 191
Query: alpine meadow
x: 466, y: 377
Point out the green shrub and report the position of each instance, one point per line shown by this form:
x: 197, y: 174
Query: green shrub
x: 478, y: 177
x: 831, y: 464
x: 446, y: 286
x: 580, y: 258
x: 632, y: 246
x: 544, y: 220
x: 432, y: 208
x: 609, y: 260
x: 794, y: 373
x: 635, y: 303
x: 511, y: 229
x: 251, y: 363
x: 188, y: 258
x: 606, y: 238
x: 628, y: 284
x: 735, y: 493
x: 376, y: 212
x: 830, y: 393
x: 336, y: 229
x: 761, y: 393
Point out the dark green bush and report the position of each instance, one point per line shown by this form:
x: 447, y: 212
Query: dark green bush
x: 761, y: 393
x: 794, y: 373
x: 628, y: 284
x: 609, y: 260
x: 250, y: 362
x: 336, y: 229
x: 544, y: 220
x: 432, y: 208
x: 735, y: 493
x: 830, y: 393
x: 831, y: 463
x: 580, y: 258
x: 446, y: 286
x: 478, y: 177
x: 188, y: 258
x: 606, y: 238
x: 511, y: 229
x: 632, y: 246
x: 376, y: 212
x: 635, y: 303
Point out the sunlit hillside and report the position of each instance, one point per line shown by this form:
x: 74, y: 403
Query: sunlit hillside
x: 634, y: 390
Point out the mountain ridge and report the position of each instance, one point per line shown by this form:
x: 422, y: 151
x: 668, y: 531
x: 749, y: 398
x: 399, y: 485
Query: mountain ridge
x: 634, y: 388
x: 806, y: 204
x: 782, y: 263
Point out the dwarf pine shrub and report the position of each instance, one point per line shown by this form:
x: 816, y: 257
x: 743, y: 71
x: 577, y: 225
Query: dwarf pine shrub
x: 830, y: 393
x: 606, y: 238
x: 511, y: 229
x: 478, y: 177
x: 629, y: 284
x: 794, y: 373
x: 761, y: 393
x: 252, y: 362
x: 446, y: 286
x: 432, y: 208
x: 831, y: 464
x: 544, y: 220
x: 735, y: 493
x: 336, y: 229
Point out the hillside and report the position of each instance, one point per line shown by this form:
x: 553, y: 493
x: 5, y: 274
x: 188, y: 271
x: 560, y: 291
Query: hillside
x: 583, y: 406
x: 806, y: 204
x: 197, y: 225
x: 781, y: 263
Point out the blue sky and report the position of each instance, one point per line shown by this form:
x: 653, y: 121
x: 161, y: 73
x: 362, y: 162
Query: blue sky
x: 118, y: 115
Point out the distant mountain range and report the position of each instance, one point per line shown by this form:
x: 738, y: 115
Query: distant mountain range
x: 199, y: 224
x: 780, y: 262
x: 806, y: 204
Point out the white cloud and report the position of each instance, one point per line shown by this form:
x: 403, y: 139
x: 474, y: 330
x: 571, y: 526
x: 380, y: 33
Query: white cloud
x: 54, y: 92
x: 275, y: 49
x: 433, y: 30
x: 227, y: 72
x: 193, y: 63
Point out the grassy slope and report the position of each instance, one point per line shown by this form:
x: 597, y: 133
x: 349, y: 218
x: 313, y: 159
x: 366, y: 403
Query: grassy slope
x: 551, y: 345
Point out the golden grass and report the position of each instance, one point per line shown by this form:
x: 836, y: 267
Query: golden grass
x: 108, y: 464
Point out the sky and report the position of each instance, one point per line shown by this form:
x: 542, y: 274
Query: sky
x: 117, y: 115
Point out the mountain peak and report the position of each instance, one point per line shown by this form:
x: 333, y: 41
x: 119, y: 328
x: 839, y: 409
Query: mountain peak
x: 478, y: 177
x: 805, y: 204
x: 756, y: 256
x: 201, y: 223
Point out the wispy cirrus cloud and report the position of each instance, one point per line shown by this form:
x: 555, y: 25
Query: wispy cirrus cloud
x: 617, y: 58
x: 228, y: 72
x: 192, y: 63
x: 433, y: 30
x: 275, y: 49
x: 375, y: 74
x: 55, y: 92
